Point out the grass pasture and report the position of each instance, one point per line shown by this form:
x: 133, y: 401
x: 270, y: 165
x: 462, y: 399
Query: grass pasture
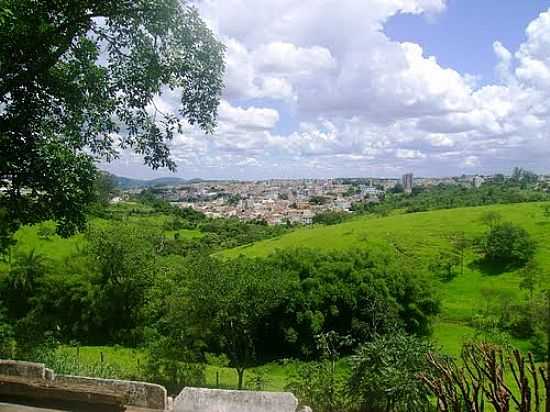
x: 126, y: 363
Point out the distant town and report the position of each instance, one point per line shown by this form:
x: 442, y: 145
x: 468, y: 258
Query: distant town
x: 292, y: 201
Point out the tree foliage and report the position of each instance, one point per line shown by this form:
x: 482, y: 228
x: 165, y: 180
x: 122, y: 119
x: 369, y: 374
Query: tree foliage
x: 22, y: 281
x: 320, y: 384
x: 384, y: 374
x: 443, y: 266
x: 509, y: 244
x: 226, y: 305
x: 124, y: 266
x: 78, y: 81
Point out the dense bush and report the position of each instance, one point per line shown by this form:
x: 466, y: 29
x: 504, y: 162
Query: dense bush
x: 256, y: 310
x: 353, y: 292
x: 8, y: 344
x: 385, y: 373
x: 509, y: 244
x: 229, y: 233
x: 320, y: 384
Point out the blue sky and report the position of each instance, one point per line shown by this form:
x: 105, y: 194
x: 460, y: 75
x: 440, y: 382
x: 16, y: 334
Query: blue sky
x: 462, y: 37
x: 328, y: 88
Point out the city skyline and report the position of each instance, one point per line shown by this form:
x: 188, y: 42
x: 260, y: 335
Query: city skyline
x: 396, y: 177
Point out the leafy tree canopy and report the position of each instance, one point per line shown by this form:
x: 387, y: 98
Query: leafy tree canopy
x: 510, y: 244
x: 77, y: 84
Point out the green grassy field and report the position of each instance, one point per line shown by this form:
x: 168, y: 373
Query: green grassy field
x: 423, y: 235
x: 126, y: 363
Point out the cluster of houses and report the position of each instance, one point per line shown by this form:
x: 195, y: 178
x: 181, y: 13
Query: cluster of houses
x: 296, y: 201
x: 276, y: 202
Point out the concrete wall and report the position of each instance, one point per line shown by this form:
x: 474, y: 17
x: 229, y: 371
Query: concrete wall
x: 137, y: 394
x: 35, y: 380
x: 213, y: 400
x: 25, y: 370
x: 140, y: 394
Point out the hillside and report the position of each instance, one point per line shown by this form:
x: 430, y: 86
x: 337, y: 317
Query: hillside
x: 422, y: 235
x: 124, y: 183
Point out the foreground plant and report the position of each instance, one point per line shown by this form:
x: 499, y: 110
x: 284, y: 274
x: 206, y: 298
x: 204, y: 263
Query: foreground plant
x: 482, y: 380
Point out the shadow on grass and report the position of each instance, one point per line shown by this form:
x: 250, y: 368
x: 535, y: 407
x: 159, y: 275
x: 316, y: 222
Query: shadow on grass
x: 490, y: 267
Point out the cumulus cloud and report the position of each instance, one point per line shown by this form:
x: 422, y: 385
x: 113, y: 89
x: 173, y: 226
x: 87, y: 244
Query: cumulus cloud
x: 534, y: 54
x: 503, y: 68
x: 409, y: 154
x: 251, y: 118
x: 316, y: 86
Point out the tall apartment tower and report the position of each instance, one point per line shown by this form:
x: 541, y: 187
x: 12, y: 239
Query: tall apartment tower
x: 407, y: 181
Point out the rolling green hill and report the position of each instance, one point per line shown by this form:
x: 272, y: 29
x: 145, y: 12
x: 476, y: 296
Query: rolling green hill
x: 423, y: 235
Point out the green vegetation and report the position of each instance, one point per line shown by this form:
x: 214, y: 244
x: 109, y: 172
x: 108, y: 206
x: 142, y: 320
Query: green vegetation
x: 378, y: 385
x: 329, y: 218
x: 423, y: 237
x: 507, y: 243
x: 62, y: 105
x: 159, y: 281
x: 125, y: 282
x: 500, y: 191
x: 223, y: 303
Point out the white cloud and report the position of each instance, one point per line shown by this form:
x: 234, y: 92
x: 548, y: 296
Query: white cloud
x: 409, y: 154
x: 440, y: 140
x: 503, y: 68
x: 243, y: 81
x: 249, y: 118
x: 281, y: 58
x: 534, y: 54
x: 351, y: 100
x: 471, y: 161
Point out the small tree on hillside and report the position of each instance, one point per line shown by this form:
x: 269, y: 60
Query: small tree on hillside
x: 460, y: 244
x: 508, y: 243
x: 531, y: 275
x: 444, y: 264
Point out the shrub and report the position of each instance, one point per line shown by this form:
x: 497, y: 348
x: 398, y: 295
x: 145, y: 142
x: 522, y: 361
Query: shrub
x: 510, y: 244
x: 384, y: 374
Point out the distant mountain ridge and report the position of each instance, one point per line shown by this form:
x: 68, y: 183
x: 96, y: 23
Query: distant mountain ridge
x: 129, y: 183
